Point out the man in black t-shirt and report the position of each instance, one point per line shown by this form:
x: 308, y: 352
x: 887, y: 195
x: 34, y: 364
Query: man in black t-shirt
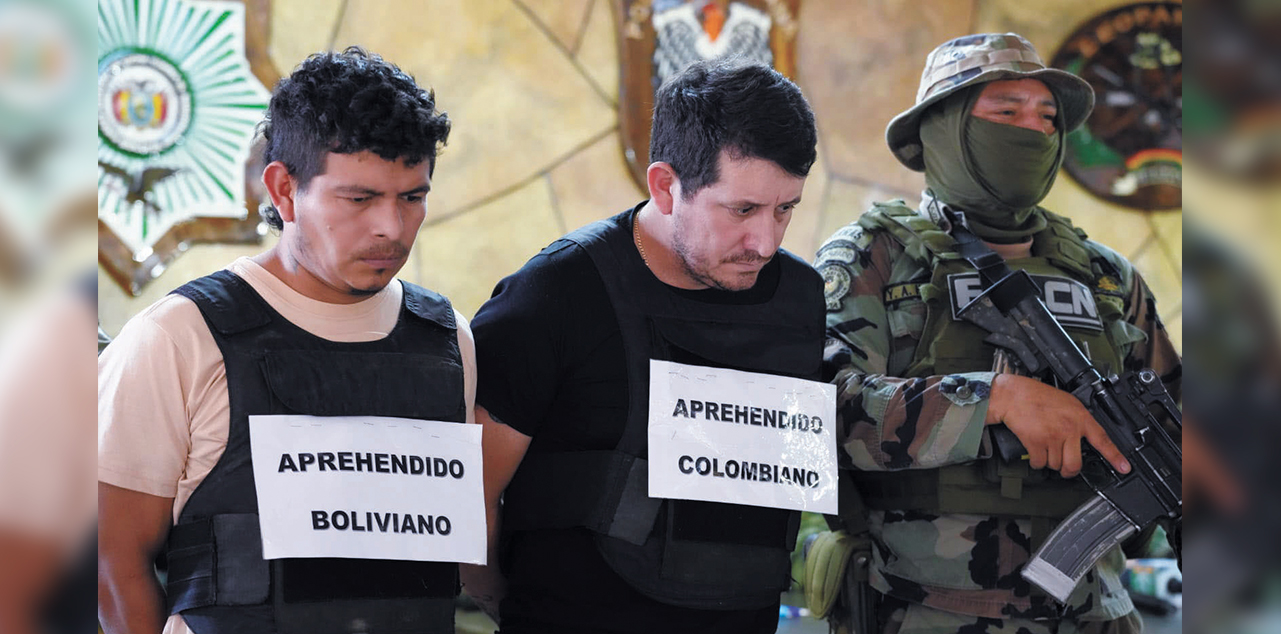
x: 694, y: 275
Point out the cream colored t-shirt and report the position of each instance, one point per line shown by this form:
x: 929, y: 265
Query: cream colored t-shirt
x: 163, y: 409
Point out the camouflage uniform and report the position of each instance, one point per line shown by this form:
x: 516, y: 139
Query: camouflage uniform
x: 950, y: 572
x: 905, y: 618
x: 957, y: 564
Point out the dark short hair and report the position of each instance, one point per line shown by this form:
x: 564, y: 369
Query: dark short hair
x: 748, y: 109
x: 348, y: 102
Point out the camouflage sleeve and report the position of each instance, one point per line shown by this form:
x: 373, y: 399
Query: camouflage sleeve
x: 1156, y: 351
x: 888, y: 422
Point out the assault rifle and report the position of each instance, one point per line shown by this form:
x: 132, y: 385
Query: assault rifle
x: 1131, y: 408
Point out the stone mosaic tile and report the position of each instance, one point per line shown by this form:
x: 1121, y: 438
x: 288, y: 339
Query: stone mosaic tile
x: 846, y: 201
x: 463, y: 257
x: 598, y: 52
x: 1162, y: 277
x: 594, y: 184
x: 563, y: 18
x: 521, y: 110
x: 517, y: 102
x: 1169, y: 230
x: 859, y: 64
x: 1045, y: 23
x: 300, y: 28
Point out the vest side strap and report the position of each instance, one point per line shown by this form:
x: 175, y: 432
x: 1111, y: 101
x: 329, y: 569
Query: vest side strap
x: 582, y: 489
x: 206, y: 555
x: 636, y: 512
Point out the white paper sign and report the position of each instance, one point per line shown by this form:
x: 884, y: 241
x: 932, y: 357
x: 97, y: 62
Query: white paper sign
x: 741, y: 437
x: 369, y: 487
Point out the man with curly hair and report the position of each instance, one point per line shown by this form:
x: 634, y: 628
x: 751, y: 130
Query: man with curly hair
x: 316, y: 325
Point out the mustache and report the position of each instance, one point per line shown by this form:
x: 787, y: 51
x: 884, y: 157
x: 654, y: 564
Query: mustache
x: 390, y: 251
x: 747, y: 257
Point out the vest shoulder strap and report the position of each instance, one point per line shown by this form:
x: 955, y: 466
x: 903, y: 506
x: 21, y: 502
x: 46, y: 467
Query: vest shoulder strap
x: 605, y: 244
x: 1107, y: 272
x: 1065, y: 245
x: 227, y: 302
x: 923, y: 240
x: 429, y: 305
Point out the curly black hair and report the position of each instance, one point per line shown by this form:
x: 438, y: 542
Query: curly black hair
x: 344, y: 103
x: 749, y: 109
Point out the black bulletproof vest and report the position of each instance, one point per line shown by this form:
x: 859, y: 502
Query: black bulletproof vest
x: 693, y: 554
x: 218, y: 579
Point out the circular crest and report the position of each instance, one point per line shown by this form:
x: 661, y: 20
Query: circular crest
x: 1130, y: 150
x: 144, y: 103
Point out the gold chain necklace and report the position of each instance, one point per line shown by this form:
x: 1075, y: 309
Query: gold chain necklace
x: 636, y: 237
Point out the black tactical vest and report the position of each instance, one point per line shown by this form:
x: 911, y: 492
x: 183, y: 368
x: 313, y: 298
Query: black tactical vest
x: 692, y: 554
x: 218, y: 580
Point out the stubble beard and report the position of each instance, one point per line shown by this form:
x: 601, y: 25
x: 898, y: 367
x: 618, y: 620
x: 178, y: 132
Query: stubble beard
x: 304, y: 258
x: 702, y: 274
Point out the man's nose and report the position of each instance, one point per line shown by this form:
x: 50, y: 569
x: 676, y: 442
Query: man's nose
x: 387, y: 219
x: 763, y: 235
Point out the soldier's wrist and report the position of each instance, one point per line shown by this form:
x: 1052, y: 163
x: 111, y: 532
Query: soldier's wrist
x: 997, y: 399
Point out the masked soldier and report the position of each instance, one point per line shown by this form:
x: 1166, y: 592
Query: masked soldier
x: 919, y: 389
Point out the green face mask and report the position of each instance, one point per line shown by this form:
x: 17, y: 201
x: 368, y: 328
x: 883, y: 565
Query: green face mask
x: 995, y: 173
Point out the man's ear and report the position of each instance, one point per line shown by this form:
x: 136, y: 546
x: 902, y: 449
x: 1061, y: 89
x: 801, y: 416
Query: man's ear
x: 282, y: 188
x: 664, y: 186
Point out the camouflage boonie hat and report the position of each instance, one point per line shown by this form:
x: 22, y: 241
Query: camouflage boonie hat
x: 976, y: 59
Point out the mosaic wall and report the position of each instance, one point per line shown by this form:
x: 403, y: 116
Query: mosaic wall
x: 532, y: 88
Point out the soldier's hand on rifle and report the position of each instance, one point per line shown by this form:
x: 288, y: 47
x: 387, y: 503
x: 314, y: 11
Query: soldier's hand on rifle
x: 1050, y: 423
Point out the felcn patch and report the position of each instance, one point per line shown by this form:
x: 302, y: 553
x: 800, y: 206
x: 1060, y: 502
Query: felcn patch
x: 1070, y: 301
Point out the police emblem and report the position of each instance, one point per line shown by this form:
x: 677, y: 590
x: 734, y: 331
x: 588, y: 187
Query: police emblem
x: 144, y: 103
x: 658, y: 38
x: 1130, y: 151
x: 178, y: 102
x: 836, y: 284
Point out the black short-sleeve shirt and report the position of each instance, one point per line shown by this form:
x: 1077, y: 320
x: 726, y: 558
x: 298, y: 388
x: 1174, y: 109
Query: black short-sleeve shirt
x: 551, y: 366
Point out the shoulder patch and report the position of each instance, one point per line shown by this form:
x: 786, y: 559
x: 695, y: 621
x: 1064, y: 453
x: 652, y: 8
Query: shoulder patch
x: 895, y: 293
x: 836, y: 284
x: 837, y: 253
x: 851, y: 235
